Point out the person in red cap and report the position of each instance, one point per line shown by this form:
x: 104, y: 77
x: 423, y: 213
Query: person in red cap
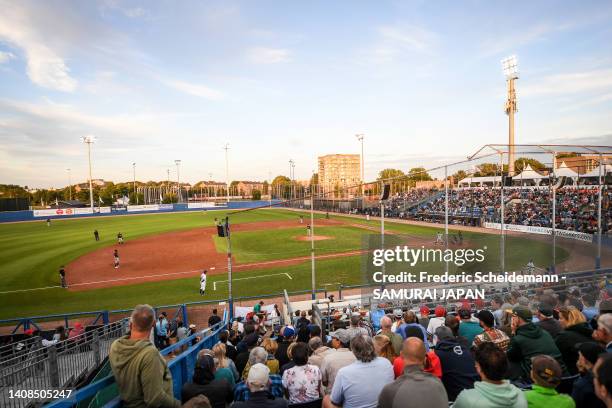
x: 424, y: 315
x: 436, y: 322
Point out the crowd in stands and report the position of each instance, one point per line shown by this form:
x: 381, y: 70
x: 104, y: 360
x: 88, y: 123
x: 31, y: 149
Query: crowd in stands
x: 552, y: 350
x: 576, y: 208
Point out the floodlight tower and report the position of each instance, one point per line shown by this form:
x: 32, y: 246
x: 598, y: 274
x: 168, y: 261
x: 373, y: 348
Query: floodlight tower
x: 510, y: 68
x: 178, y: 179
x: 359, y: 137
x: 89, y: 140
x: 227, y: 184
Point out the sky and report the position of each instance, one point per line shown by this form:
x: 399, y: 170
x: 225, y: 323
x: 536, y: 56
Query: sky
x: 156, y: 81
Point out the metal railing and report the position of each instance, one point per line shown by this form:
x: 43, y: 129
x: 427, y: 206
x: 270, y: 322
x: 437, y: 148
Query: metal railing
x: 55, y: 366
x: 181, y: 367
x: 17, y: 348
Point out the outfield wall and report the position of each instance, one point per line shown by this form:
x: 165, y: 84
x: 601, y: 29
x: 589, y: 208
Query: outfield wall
x: 41, y: 215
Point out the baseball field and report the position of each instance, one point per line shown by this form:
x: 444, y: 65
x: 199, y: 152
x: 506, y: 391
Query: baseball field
x: 163, y: 255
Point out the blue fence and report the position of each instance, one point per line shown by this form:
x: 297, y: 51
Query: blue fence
x: 15, y: 216
x: 181, y: 368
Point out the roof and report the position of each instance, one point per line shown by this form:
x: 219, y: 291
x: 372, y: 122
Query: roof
x: 529, y: 173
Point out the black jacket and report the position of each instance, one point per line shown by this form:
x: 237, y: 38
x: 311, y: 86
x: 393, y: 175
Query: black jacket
x: 583, y: 393
x: 566, y: 341
x: 261, y: 399
x: 281, y: 353
x: 218, y: 392
x: 458, y: 372
x: 552, y: 326
x: 241, y: 361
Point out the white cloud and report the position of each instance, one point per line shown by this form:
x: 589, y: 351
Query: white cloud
x: 6, y: 57
x: 265, y: 55
x: 569, y: 83
x: 45, y: 67
x: 399, y: 40
x: 194, y: 89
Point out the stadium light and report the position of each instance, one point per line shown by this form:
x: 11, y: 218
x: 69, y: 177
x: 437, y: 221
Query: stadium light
x: 89, y: 140
x: 510, y: 68
x: 360, y: 137
x: 227, y: 185
x: 135, y: 193
x: 178, y: 179
x: 70, y: 183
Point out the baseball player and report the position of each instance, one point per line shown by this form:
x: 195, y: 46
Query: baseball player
x: 96, y: 235
x: 116, y: 256
x: 120, y: 238
x: 62, y: 274
x: 203, y: 282
x: 301, y: 219
x: 308, y: 230
x: 48, y: 222
x: 439, y: 239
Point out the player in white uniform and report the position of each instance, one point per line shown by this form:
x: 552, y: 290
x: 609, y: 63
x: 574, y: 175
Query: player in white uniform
x: 439, y: 239
x: 203, y: 282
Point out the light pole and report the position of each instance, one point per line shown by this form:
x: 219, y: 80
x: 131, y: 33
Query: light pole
x: 69, y: 183
x: 135, y: 193
x: 510, y: 68
x: 360, y: 137
x: 89, y: 140
x: 178, y: 179
x: 291, y: 168
x: 227, y: 185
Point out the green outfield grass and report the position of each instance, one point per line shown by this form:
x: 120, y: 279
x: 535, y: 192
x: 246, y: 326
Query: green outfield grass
x: 31, y: 253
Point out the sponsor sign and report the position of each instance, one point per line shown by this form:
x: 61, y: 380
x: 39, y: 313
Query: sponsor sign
x: 145, y: 207
x: 580, y: 236
x: 201, y: 205
x: 61, y: 212
x: 166, y: 207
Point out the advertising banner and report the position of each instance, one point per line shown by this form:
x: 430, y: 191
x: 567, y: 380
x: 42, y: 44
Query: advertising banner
x: 581, y: 236
x: 201, y: 205
x: 144, y: 207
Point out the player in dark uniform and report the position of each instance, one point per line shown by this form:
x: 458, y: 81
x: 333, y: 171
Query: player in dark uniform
x: 116, y: 256
x: 120, y: 238
x: 48, y: 222
x: 62, y: 274
x: 96, y: 235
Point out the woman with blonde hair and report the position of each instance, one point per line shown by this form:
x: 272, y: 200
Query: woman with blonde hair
x: 271, y: 346
x: 225, y: 367
x: 575, y: 330
x: 384, y: 348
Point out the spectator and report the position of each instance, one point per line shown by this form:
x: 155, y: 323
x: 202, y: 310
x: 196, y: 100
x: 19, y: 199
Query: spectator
x: 287, y: 334
x: 491, y: 334
x: 359, y: 384
x: 603, y: 334
x: 302, y: 321
x: 217, y: 390
x: 546, y: 320
x: 257, y: 383
x: 271, y: 346
x: 398, y: 316
x: 583, y: 391
x: 432, y: 362
x: 575, y: 330
x: 468, y: 328
x: 318, y: 351
x: 415, y: 387
x: 230, y: 349
x: 452, y: 323
x: 76, y: 331
x: 383, y: 347
x: 410, y: 320
x: 385, y: 330
x: 355, y: 329
x: 303, y: 334
x: 546, y: 375
x: 424, y: 316
x: 199, y: 401
x: 213, y: 319
x: 161, y: 331
x: 141, y: 373
x: 492, y: 391
x: 291, y: 363
x: 529, y: 340
x: 589, y: 311
x: 225, y: 368
x: 246, y: 346
x: 181, y: 331
x: 458, y: 371
x: 334, y: 361
x: 259, y: 356
x: 303, y: 381
x: 60, y: 334
x: 496, y: 305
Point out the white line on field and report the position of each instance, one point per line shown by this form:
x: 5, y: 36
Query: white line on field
x: 251, y: 277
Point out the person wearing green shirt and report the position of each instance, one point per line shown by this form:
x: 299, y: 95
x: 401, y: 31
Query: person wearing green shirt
x: 546, y: 375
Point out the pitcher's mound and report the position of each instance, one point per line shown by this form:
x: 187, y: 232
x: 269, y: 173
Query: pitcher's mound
x: 315, y: 238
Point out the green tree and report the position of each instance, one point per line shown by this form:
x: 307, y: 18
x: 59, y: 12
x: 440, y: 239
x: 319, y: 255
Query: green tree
x: 522, y: 162
x: 487, y: 169
x: 256, y: 195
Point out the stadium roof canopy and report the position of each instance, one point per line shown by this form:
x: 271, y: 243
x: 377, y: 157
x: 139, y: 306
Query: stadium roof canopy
x: 492, y: 149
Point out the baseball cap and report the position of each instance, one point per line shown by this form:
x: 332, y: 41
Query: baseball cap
x: 465, y: 313
x: 289, y: 332
x: 29, y: 332
x: 545, y: 309
x: 397, y: 313
x: 259, y: 375
x: 590, y: 351
x: 523, y: 312
x: 424, y: 311
x: 342, y: 335
x: 486, y: 317
x: 440, y: 311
